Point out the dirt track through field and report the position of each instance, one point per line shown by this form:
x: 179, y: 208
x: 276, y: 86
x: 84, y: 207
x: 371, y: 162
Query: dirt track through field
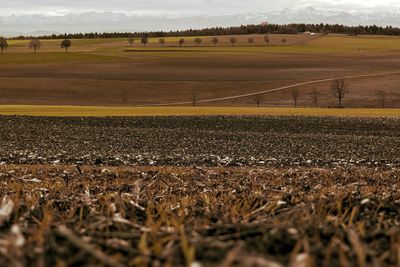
x: 280, y: 89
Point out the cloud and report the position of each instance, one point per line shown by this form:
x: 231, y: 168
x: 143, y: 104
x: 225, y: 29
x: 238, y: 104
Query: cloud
x: 178, y: 6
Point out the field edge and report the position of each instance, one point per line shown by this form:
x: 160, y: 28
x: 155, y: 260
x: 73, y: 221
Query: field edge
x: 103, y: 111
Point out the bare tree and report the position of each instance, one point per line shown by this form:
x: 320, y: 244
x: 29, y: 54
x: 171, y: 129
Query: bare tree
x: 35, y: 44
x: 250, y: 40
x: 315, y: 94
x: 181, y: 42
x: 266, y: 39
x: 124, y: 95
x: 198, y: 41
x: 66, y: 44
x: 381, y: 95
x: 258, y: 99
x: 194, y: 97
x: 3, y: 44
x: 284, y: 40
x: 340, y: 89
x: 215, y: 41
x: 131, y: 40
x: 295, y: 93
x: 161, y: 41
x: 233, y: 40
x: 144, y: 40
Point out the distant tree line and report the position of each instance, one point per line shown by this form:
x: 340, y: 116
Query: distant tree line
x: 240, y: 30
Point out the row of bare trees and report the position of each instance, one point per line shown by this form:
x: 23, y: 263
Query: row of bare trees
x: 199, y: 41
x: 35, y: 44
x: 339, y: 90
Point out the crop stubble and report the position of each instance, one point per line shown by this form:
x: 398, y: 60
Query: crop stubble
x: 220, y: 191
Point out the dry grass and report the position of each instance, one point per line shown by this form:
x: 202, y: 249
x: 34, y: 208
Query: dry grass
x: 170, y: 216
x: 86, y: 111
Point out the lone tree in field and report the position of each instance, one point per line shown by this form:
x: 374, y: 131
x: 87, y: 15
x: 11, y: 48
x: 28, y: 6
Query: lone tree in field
x: 250, y: 41
x: 295, y: 93
x: 194, y: 97
x: 144, y: 40
x: 198, y: 41
x: 66, y: 44
x: 315, y: 94
x: 258, y: 99
x: 381, y: 95
x: 339, y: 90
x: 124, y: 94
x: 181, y: 42
x: 215, y: 41
x: 161, y: 41
x: 35, y: 44
x: 284, y: 40
x: 3, y: 44
x: 266, y: 39
x: 233, y: 40
x: 131, y: 40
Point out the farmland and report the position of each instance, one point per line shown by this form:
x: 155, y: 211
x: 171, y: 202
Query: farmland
x: 214, y: 141
x: 144, y: 155
x: 110, y: 72
x: 211, y: 191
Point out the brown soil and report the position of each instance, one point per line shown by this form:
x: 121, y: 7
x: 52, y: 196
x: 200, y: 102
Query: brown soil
x: 159, y: 79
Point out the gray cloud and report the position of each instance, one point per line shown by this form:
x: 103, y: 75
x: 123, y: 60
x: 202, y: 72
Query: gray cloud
x: 183, y: 14
x: 177, y: 6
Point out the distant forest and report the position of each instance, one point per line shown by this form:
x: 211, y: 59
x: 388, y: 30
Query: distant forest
x: 240, y: 30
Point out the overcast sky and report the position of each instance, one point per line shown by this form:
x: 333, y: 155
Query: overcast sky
x: 178, y: 7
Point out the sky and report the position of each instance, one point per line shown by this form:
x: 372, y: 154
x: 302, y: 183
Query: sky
x: 180, y: 7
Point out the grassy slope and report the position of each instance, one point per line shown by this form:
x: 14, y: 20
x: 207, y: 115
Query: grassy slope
x: 89, y: 50
x: 183, y: 111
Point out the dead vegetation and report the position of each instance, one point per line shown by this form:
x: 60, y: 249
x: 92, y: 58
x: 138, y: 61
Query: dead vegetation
x: 54, y: 215
x: 199, y: 191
